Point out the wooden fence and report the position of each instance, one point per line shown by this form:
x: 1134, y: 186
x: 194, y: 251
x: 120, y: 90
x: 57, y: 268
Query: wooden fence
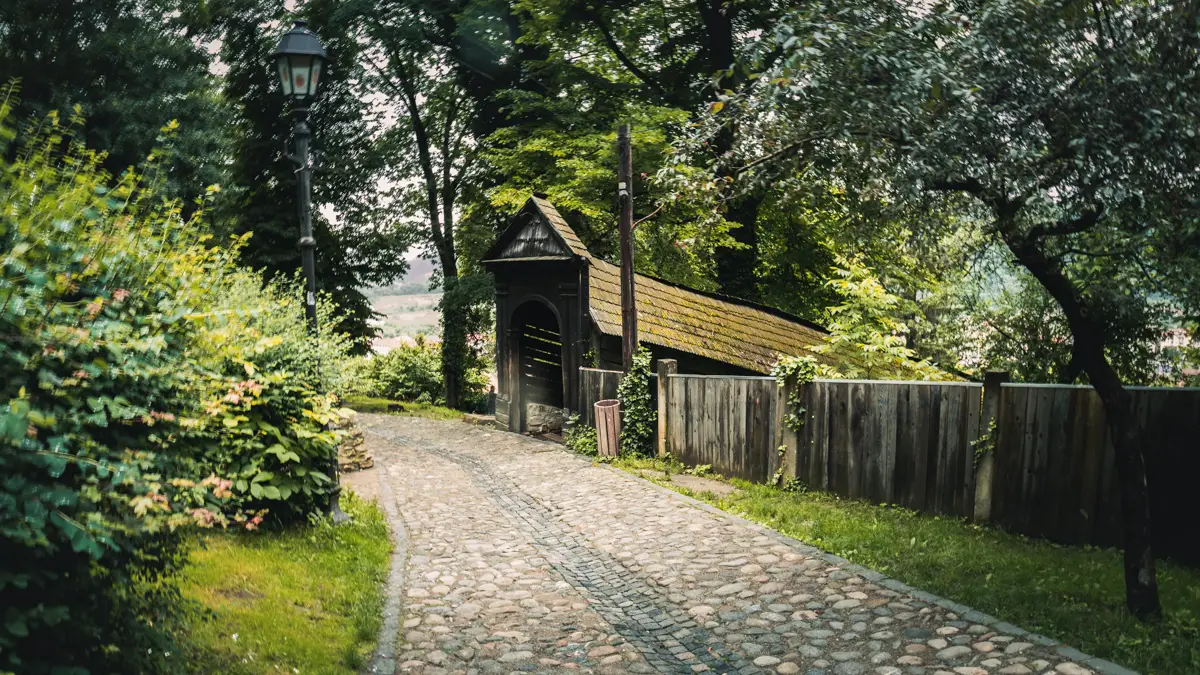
x: 1046, y: 469
x: 1054, y: 465
x: 906, y: 443
x: 725, y: 422
x: 595, y: 385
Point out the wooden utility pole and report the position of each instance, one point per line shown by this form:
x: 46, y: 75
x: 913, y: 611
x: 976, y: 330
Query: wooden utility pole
x: 629, y: 334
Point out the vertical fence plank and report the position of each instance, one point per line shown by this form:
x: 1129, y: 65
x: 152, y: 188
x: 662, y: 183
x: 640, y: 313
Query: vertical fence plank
x: 819, y: 465
x: 920, y: 407
x: 974, y: 404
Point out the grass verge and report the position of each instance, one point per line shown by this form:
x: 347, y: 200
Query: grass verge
x: 1072, y: 594
x: 305, y: 600
x: 368, y: 404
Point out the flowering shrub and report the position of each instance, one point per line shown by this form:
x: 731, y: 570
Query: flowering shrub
x: 146, y: 386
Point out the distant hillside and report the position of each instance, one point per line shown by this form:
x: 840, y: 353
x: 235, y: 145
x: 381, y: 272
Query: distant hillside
x: 416, y: 282
x: 407, y: 308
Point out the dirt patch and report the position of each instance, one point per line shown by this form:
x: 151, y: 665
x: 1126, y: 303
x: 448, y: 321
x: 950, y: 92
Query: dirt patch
x: 364, y: 483
x: 698, y: 484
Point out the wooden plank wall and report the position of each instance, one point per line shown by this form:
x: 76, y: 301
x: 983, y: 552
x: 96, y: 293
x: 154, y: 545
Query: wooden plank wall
x: 1055, y: 474
x: 541, y: 365
x: 906, y: 443
x: 725, y: 422
x: 595, y: 385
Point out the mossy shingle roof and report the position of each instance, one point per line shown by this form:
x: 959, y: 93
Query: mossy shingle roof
x: 722, y: 329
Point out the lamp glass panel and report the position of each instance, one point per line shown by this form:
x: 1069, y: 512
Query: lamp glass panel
x: 285, y: 75
x: 315, y: 76
x: 301, y: 71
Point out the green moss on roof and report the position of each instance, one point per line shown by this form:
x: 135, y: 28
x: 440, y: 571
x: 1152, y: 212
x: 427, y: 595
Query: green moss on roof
x: 688, y: 321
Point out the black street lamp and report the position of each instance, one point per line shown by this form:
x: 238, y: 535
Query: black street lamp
x: 300, y: 58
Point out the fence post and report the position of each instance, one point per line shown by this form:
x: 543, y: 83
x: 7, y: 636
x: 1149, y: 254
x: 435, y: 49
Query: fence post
x: 785, y: 437
x: 666, y: 368
x: 985, y: 465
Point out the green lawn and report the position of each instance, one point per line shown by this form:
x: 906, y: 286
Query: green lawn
x: 306, y: 600
x: 1072, y: 594
x: 369, y: 404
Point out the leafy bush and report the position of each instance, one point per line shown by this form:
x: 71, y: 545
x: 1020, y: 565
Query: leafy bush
x: 580, y: 437
x: 263, y: 420
x: 406, y: 373
x: 639, y: 419
x: 866, y: 337
x: 146, y: 386
x: 96, y: 285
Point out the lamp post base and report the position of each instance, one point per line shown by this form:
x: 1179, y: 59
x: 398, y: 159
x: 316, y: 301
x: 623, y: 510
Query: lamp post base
x: 335, y: 508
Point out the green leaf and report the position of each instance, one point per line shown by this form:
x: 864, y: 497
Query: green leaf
x: 16, y: 626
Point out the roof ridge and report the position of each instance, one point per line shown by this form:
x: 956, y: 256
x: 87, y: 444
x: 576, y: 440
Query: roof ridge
x: 559, y: 225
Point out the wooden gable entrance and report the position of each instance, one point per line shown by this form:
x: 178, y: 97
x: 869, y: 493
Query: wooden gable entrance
x: 537, y: 265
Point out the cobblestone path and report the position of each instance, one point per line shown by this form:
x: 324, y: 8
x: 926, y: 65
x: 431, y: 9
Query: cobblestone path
x: 524, y: 557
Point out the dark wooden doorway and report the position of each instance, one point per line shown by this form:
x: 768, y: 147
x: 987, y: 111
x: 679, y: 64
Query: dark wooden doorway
x: 540, y: 352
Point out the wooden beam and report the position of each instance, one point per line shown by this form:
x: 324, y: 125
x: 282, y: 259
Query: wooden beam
x: 629, y: 337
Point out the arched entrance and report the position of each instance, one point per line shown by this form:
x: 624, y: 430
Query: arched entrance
x: 540, y: 357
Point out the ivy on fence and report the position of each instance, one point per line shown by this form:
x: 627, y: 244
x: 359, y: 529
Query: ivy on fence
x: 791, y: 372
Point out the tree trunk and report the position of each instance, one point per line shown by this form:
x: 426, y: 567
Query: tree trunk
x: 1141, y: 585
x: 735, y: 266
x: 454, y: 324
x: 454, y: 343
x: 1087, y: 333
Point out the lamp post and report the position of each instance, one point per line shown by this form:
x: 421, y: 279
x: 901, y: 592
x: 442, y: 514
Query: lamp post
x: 300, y: 59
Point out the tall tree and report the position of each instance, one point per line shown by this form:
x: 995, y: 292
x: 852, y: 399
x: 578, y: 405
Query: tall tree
x: 359, y: 243
x: 679, y: 54
x: 132, y: 66
x: 433, y: 154
x: 1068, y: 127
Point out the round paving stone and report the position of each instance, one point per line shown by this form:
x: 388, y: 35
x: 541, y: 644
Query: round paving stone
x: 953, y: 653
x: 850, y: 668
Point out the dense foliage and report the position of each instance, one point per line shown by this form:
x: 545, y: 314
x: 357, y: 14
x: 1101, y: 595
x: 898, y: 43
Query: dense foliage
x: 581, y: 438
x: 1065, y: 131
x: 405, y: 373
x: 148, y: 385
x: 131, y: 65
x: 866, y: 337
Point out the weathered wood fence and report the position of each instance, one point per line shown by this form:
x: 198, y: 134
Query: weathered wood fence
x: 725, y: 422
x: 1055, y: 473
x: 1045, y: 467
x: 906, y: 443
x: 595, y: 385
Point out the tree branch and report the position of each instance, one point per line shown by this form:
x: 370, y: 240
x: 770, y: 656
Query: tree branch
x: 648, y: 216
x: 1083, y: 223
x: 784, y: 151
x: 615, y: 48
x: 968, y: 185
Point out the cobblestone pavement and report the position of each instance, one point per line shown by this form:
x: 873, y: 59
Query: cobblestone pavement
x: 524, y: 557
